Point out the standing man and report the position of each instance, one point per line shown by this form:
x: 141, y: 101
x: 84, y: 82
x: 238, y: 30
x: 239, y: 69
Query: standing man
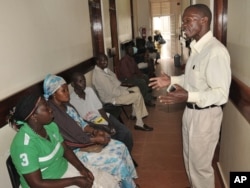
x: 205, y: 88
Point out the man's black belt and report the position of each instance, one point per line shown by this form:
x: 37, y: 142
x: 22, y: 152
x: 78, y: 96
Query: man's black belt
x: 194, y: 106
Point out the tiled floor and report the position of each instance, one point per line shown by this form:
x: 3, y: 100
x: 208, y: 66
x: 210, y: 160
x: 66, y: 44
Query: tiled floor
x: 159, y: 153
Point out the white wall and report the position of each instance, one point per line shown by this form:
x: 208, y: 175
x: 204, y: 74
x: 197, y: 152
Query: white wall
x: 238, y: 39
x: 142, y: 17
x: 123, y: 20
x: 6, y: 136
x: 38, y: 37
x: 235, y: 143
x: 235, y: 140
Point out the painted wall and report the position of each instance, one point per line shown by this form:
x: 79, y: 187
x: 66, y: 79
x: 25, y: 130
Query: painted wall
x: 235, y: 140
x: 235, y: 143
x: 238, y: 39
x: 142, y: 17
x: 123, y: 20
x: 38, y: 37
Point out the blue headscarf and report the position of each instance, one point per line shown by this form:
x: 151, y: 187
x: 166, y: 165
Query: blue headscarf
x: 52, y: 83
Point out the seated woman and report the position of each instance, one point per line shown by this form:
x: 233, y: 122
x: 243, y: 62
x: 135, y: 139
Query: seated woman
x: 114, y: 157
x: 40, y: 155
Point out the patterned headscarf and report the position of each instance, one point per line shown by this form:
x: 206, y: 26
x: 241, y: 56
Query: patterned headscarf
x: 52, y: 83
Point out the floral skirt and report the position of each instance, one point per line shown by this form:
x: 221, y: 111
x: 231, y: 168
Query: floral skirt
x: 114, y: 159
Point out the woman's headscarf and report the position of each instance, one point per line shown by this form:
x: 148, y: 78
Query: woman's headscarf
x: 52, y: 83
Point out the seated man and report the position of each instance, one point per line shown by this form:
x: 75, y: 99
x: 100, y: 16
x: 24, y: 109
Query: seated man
x: 128, y: 72
x: 110, y: 91
x: 90, y: 108
x: 144, y: 60
x: 153, y: 53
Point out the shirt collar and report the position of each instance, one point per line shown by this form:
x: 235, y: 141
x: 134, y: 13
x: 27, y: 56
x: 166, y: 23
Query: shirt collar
x: 198, y: 46
x: 27, y: 129
x: 100, y: 69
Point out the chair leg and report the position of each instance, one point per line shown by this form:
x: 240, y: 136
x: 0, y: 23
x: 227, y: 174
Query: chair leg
x: 120, y: 119
x: 124, y: 111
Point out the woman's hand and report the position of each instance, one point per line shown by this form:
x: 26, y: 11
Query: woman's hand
x: 87, y: 174
x: 83, y: 182
x: 101, y: 137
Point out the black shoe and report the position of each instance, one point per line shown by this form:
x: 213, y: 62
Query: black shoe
x: 135, y: 163
x: 144, y: 128
x: 132, y: 117
x: 150, y: 104
x: 154, y: 97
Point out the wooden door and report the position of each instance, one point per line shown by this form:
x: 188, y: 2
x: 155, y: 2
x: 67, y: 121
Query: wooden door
x: 96, y: 26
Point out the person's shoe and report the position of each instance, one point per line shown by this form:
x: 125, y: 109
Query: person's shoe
x: 132, y: 117
x: 150, y: 104
x: 135, y: 163
x: 144, y: 128
x: 154, y: 97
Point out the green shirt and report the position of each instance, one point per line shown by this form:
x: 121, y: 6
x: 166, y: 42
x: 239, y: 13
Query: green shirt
x: 31, y: 152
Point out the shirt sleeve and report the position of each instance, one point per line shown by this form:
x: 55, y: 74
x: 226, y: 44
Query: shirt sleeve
x: 108, y: 85
x: 94, y: 99
x: 177, y: 80
x: 25, y: 156
x: 211, y: 81
x: 125, y: 69
x: 218, y: 75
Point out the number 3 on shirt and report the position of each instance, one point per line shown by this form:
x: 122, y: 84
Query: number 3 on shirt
x: 25, y: 161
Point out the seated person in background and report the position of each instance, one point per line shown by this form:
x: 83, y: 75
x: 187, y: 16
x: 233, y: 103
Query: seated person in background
x: 110, y: 91
x: 153, y: 53
x: 150, y: 44
x: 128, y: 72
x: 86, y: 102
x: 140, y: 45
x: 40, y: 155
x: 114, y: 158
x: 146, y: 64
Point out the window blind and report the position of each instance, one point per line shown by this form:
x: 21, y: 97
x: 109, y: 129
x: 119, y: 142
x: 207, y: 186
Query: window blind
x: 159, y: 9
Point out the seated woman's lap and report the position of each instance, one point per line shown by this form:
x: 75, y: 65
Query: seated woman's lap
x: 114, y: 159
x: 101, y: 177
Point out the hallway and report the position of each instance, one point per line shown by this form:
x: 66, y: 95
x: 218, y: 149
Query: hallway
x: 159, y: 153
